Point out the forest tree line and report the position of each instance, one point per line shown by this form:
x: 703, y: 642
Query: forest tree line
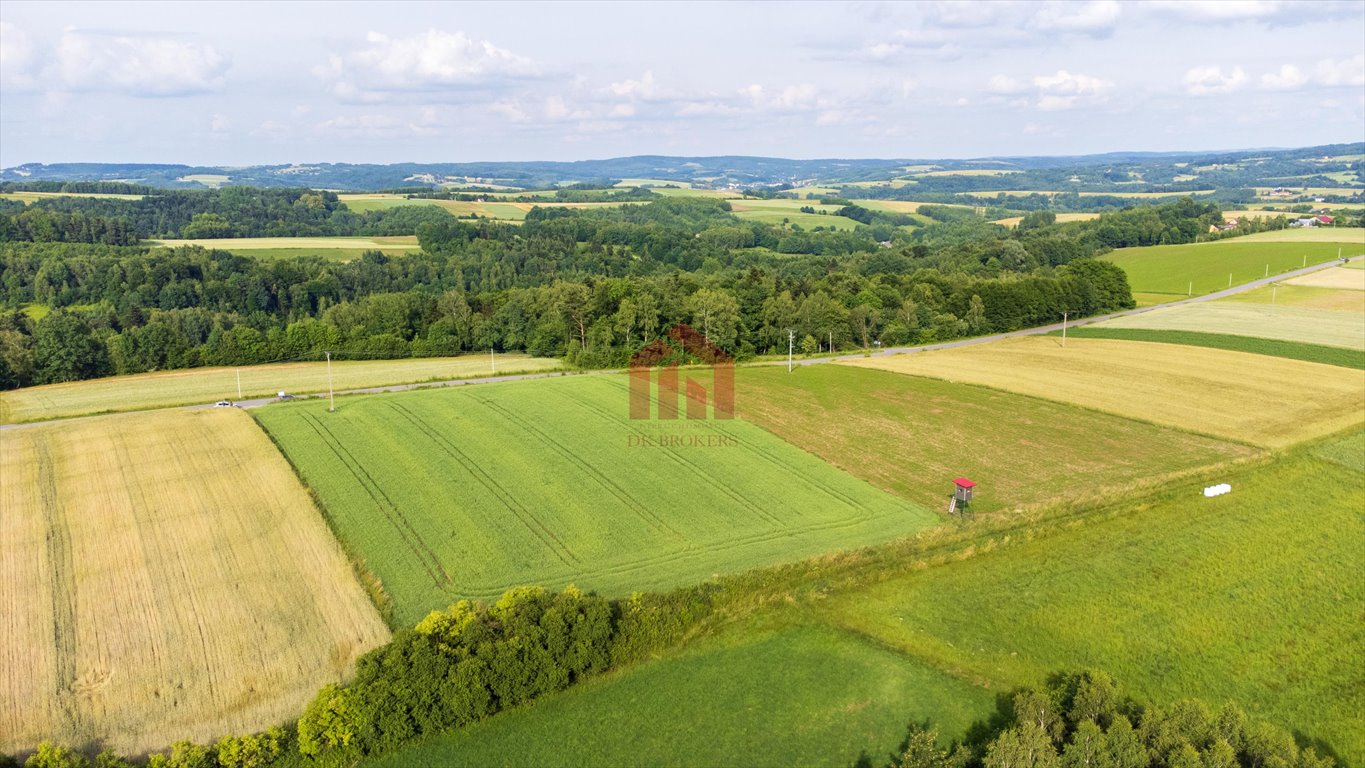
x: 587, y: 285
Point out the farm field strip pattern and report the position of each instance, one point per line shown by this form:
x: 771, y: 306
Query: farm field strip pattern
x: 515, y: 490
x: 1239, y: 318
x: 162, y: 577
x: 1232, y: 395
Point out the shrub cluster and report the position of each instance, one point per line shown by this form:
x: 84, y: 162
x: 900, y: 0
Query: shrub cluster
x: 1079, y: 720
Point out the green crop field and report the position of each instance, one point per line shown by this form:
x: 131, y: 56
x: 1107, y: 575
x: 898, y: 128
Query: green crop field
x: 911, y: 435
x: 1287, y: 323
x: 1201, y: 268
x: 548, y: 482
x: 1253, y: 597
x: 192, y: 386
x: 798, y: 696
x: 1293, y: 350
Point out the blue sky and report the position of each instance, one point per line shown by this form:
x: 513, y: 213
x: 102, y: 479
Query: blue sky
x: 248, y: 83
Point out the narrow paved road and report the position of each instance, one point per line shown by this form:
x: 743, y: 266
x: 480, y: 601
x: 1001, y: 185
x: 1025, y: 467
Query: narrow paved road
x: 1042, y: 329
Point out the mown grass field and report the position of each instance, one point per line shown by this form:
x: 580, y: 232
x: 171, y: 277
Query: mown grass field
x: 1294, y: 350
x: 797, y: 696
x: 911, y: 436
x: 1253, y: 597
x: 164, y: 576
x: 1306, y: 296
x: 1200, y: 268
x: 1279, y: 321
x: 1262, y: 400
x: 545, y: 482
x: 1340, y: 278
x: 192, y: 386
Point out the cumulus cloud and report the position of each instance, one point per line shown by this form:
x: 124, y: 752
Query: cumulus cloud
x: 1098, y: 17
x: 1221, y: 10
x: 1335, y: 72
x: 18, y: 58
x: 431, y: 61
x: 137, y: 65
x: 644, y: 88
x: 1204, y: 80
x: 1288, y: 78
x: 1005, y: 85
x: 379, y: 125
x: 1064, y: 89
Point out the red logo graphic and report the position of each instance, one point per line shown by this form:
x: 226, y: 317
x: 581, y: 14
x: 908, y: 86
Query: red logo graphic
x: 686, y: 344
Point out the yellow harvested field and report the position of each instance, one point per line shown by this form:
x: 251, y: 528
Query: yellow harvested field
x: 164, y: 577
x: 1310, y: 297
x: 1268, y: 401
x: 396, y: 243
x: 1336, y: 277
x: 902, y: 206
x: 1266, y: 321
x: 206, y: 385
x: 1062, y: 218
x: 31, y: 197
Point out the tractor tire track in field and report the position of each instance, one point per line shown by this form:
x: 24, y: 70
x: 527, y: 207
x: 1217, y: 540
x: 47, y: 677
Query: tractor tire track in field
x: 621, y: 494
x: 63, y: 587
x: 411, y: 538
x: 764, y: 453
x: 524, y: 515
x: 698, y: 472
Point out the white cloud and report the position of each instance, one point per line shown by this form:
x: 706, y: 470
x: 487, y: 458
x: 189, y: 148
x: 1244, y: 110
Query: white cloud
x: 1098, y: 17
x: 1203, y: 80
x: 510, y: 111
x: 1287, y: 79
x: 433, y: 60
x: 557, y: 109
x: 1064, y: 89
x: 18, y: 58
x: 791, y: 98
x: 1336, y: 72
x: 379, y: 125
x: 644, y: 88
x: 1004, y: 84
x: 1221, y: 10
x: 140, y: 66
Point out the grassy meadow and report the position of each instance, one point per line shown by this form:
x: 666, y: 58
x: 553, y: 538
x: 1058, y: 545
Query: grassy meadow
x: 547, y: 482
x: 191, y: 386
x: 163, y: 577
x: 911, y: 436
x: 33, y: 197
x: 1252, y: 597
x: 795, y: 696
x: 1262, y: 400
x: 1199, y: 268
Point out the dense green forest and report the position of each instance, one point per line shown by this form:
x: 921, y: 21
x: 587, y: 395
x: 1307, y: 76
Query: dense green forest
x: 590, y: 285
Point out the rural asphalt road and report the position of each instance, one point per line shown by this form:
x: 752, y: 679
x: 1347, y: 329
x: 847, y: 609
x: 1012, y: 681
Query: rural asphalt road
x: 1042, y: 329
